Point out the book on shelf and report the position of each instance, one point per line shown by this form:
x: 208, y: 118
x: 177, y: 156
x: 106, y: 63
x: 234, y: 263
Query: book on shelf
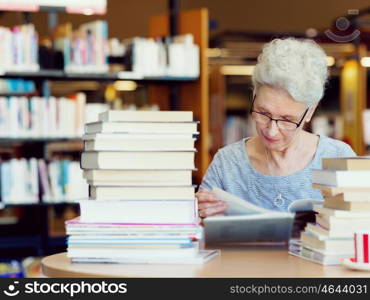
x: 17, y: 86
x: 19, y: 49
x: 19, y: 181
x: 146, y: 116
x: 84, y: 49
x: 139, y: 177
x: 40, y: 117
x: 142, y: 192
x: 347, y: 163
x: 143, y: 211
x: 335, y: 203
x: 337, y: 178
x: 169, y: 57
x: 141, y: 127
x: 145, y: 160
x: 139, y: 142
x: 22, y: 181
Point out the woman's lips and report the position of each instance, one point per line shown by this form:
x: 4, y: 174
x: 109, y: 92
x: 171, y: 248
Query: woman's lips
x: 270, y: 140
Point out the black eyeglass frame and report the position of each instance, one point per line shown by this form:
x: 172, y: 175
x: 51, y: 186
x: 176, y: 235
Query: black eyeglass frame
x: 276, y: 120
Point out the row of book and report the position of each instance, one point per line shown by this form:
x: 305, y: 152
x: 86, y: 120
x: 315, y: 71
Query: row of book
x: 27, y: 181
x: 18, y: 85
x: 39, y: 117
x: 85, y: 49
x: 19, y: 48
x: 345, y: 185
x: 142, y: 207
x: 171, y: 56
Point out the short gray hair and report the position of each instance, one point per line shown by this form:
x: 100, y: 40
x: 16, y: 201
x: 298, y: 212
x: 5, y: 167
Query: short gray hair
x: 297, y: 66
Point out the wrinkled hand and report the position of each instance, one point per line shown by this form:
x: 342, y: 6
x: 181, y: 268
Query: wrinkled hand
x: 209, y: 204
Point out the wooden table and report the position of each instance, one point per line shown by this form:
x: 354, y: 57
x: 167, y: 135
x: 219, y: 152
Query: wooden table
x: 235, y: 261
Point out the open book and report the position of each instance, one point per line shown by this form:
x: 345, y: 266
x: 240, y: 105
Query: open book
x: 237, y: 206
x: 246, y: 222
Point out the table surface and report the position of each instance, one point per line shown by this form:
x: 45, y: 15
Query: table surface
x: 234, y: 261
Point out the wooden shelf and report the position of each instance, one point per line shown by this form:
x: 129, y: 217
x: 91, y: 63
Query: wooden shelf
x: 108, y: 76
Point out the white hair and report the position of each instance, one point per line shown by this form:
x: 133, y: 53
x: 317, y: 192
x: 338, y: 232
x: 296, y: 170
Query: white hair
x: 297, y: 66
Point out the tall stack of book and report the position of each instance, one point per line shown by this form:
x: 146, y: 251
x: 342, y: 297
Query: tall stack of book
x: 345, y: 185
x: 142, y: 208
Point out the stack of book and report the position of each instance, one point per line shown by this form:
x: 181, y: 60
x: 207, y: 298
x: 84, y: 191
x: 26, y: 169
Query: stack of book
x: 142, y: 208
x: 345, y: 185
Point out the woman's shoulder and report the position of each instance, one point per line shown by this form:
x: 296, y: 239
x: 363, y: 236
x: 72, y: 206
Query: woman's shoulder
x: 232, y: 152
x: 335, y: 148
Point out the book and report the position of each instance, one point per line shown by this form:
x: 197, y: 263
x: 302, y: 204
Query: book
x: 262, y: 224
x: 347, y: 163
x: 132, y: 143
x: 142, y: 192
x: 331, y: 202
x: 350, y: 196
x: 131, y: 253
x: 333, y: 191
x: 317, y: 229
x: 146, y: 116
x: 341, y: 224
x: 202, y: 257
x: 317, y: 256
x: 327, y: 244
x: 144, y: 211
x: 139, y: 177
x: 341, y: 178
x: 145, y: 160
x: 141, y: 127
x: 340, y: 213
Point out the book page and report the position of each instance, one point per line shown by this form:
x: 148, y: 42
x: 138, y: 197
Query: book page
x: 237, y: 206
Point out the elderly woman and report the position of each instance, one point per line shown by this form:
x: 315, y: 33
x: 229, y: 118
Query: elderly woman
x: 273, y: 168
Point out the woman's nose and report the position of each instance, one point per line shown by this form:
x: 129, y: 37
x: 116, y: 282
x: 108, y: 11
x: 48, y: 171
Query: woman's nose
x: 273, y: 129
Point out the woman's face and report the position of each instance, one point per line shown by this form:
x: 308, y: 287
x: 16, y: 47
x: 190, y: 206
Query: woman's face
x: 278, y: 104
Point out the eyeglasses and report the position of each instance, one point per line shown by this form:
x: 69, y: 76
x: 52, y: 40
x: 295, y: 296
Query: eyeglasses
x: 264, y: 119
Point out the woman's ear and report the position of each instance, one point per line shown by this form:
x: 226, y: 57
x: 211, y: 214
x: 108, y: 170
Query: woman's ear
x: 310, y: 113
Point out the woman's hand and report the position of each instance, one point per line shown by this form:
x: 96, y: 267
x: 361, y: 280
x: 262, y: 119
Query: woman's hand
x: 209, y: 204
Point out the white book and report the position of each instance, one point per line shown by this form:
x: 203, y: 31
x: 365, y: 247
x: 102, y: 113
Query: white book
x: 129, y: 143
x: 132, y: 253
x: 339, y: 213
x: 146, y: 116
x: 202, y: 257
x: 341, y: 178
x: 141, y: 127
x: 143, y: 211
x: 142, y: 192
x: 114, y: 160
